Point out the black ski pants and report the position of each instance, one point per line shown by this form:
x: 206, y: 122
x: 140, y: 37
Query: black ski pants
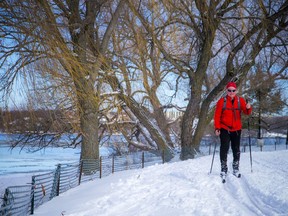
x: 225, y: 138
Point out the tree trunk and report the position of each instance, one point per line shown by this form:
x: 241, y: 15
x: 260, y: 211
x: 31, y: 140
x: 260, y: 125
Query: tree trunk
x: 88, y: 113
x: 187, y: 149
x: 160, y: 117
x: 156, y: 134
x: 89, y: 127
x: 163, y: 125
x: 203, y: 121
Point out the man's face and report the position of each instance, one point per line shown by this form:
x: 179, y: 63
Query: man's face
x: 231, y: 91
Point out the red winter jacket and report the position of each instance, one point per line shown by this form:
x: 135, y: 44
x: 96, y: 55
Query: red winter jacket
x: 230, y: 118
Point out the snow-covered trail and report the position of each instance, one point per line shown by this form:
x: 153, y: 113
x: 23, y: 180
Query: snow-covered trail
x: 184, y: 189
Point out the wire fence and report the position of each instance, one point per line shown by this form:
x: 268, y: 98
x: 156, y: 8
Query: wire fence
x: 24, y: 199
x: 263, y: 144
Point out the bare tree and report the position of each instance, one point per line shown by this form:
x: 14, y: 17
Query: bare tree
x: 208, y: 43
x: 233, y: 32
x: 140, y: 64
x: 67, y: 42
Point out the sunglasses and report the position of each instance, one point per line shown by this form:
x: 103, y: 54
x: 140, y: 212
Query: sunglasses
x: 229, y: 90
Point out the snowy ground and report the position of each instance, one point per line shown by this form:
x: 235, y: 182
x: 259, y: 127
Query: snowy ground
x: 182, y: 189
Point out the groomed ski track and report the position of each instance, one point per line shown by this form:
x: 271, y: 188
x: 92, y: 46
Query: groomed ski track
x: 183, y: 188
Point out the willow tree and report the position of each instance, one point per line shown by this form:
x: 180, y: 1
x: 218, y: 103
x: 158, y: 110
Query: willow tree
x: 211, y: 35
x: 141, y: 69
x: 66, y: 43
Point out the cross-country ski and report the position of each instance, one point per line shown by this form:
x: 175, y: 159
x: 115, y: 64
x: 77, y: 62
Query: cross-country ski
x: 237, y: 174
x: 223, y: 176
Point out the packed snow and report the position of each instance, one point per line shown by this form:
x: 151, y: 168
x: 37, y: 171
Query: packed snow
x: 182, y: 188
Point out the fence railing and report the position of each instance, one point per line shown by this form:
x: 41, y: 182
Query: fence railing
x: 24, y: 199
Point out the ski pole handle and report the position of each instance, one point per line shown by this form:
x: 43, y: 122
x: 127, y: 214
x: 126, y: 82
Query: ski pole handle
x: 248, y: 105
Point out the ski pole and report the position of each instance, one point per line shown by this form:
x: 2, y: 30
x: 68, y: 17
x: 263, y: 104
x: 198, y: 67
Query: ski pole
x: 213, y: 157
x: 249, y: 141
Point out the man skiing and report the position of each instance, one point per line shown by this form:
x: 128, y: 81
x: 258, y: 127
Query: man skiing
x: 228, y: 125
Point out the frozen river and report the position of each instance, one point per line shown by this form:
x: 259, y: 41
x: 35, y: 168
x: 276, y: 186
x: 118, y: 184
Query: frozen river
x: 19, y: 160
x: 32, y: 160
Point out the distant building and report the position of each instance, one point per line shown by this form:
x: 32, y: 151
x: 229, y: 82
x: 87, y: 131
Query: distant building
x: 172, y: 115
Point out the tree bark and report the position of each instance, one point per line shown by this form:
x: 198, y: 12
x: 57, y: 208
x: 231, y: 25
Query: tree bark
x: 157, y: 136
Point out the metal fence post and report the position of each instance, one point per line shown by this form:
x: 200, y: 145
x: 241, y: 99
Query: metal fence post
x: 7, y: 201
x: 113, y: 163
x: 80, y: 172
x: 56, y: 182
x: 142, y: 160
x: 58, y: 179
x: 32, y: 195
x: 287, y: 139
x: 210, y: 144
x: 100, y: 167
